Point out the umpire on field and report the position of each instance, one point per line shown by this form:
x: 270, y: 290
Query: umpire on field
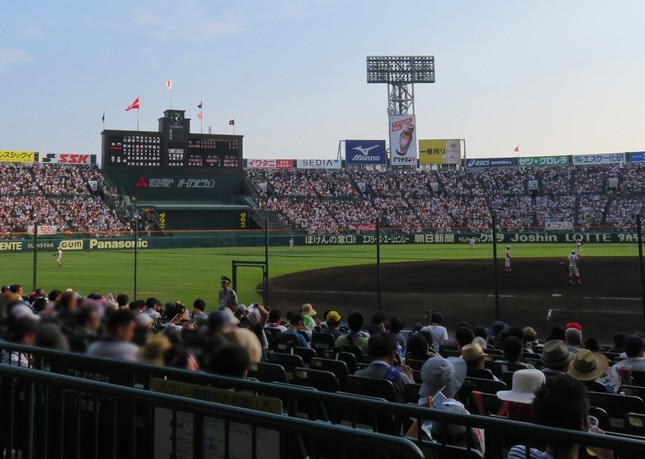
x: 227, y: 296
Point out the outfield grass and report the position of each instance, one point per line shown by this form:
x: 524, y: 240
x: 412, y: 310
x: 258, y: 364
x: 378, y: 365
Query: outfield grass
x: 185, y: 274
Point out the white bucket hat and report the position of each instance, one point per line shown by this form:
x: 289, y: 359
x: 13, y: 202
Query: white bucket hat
x: 525, y: 383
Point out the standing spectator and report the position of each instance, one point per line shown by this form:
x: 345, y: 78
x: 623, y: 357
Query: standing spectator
x: 437, y: 330
x: 227, y: 296
x: 117, y: 344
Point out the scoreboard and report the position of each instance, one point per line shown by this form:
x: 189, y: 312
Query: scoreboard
x: 173, y: 163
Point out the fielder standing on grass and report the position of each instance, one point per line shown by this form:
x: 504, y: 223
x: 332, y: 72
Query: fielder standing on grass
x: 291, y: 245
x: 59, y: 256
x: 579, y: 246
x: 471, y: 241
x: 574, y: 274
x: 507, y: 259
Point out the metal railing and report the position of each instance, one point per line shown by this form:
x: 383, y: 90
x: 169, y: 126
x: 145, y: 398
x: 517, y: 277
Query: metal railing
x: 331, y: 408
x: 76, y: 418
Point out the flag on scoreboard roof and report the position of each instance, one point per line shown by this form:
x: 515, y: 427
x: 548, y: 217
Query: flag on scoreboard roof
x: 199, y: 116
x: 517, y: 149
x: 136, y: 104
x: 169, y: 85
x: 200, y: 105
x: 231, y: 122
x: 103, y: 118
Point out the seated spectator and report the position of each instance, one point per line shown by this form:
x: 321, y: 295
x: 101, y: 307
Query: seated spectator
x: 382, y: 347
x: 395, y: 327
x: 556, y: 333
x: 178, y: 317
x: 592, y: 368
x: 518, y: 400
x: 437, y: 330
x: 481, y: 341
x: 50, y: 336
x: 474, y: 356
x: 230, y: 360
x: 137, y: 306
x: 634, y: 350
x: 295, y: 325
x: 513, y: 352
x: 556, y: 358
x: 376, y: 325
x: 308, y: 314
x: 356, y: 336
x: 573, y: 339
x: 442, y: 379
x: 20, y: 331
x: 153, y: 308
x: 86, y: 331
x: 464, y: 336
x: 154, y: 349
x: 333, y: 324
x: 618, y: 343
x: 530, y: 338
x: 122, y: 301
x: 560, y: 402
x: 275, y: 320
x: 199, y: 306
x: 178, y: 356
x: 593, y: 345
x: 117, y: 343
x: 417, y: 347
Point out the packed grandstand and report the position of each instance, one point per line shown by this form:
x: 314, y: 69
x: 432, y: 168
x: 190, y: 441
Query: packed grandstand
x: 338, y: 200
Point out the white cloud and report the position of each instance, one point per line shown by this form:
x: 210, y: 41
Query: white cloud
x: 9, y: 57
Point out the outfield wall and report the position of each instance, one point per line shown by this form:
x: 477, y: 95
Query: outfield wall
x: 257, y: 239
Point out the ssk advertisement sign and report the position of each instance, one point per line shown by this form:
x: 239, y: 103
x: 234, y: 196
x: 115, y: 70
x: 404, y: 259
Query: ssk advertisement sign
x: 360, y: 152
x: 403, y: 140
x: 68, y: 158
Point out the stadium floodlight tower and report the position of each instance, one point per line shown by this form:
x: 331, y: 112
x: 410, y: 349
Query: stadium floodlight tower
x: 400, y: 73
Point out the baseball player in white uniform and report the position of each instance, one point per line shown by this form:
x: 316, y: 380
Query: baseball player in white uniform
x: 507, y: 259
x: 579, y: 246
x: 574, y: 274
x: 59, y: 257
x: 471, y: 241
x: 291, y: 245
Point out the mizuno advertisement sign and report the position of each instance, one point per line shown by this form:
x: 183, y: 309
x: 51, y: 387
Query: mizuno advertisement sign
x: 359, y: 152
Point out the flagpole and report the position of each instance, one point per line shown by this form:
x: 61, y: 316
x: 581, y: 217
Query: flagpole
x: 137, y: 119
x: 201, y: 122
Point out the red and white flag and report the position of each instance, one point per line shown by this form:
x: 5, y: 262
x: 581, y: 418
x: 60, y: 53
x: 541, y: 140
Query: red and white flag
x: 169, y: 85
x: 136, y: 104
x: 231, y: 122
x: 199, y: 116
x: 517, y: 149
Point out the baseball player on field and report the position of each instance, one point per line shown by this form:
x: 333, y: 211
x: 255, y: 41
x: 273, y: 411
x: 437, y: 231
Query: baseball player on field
x: 574, y: 274
x: 507, y: 259
x: 579, y: 246
x: 471, y: 241
x: 59, y: 256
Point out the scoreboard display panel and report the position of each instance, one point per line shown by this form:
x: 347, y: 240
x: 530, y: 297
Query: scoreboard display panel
x: 213, y: 152
x: 133, y: 150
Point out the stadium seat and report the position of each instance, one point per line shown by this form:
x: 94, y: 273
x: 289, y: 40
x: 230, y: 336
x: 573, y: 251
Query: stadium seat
x: 636, y: 391
x: 287, y: 361
x: 337, y: 367
x: 415, y: 364
x: 357, y: 351
x: 437, y: 450
x: 639, y: 378
x: 485, y: 404
x: 382, y: 422
x: 479, y: 373
x: 322, y: 380
x: 494, y: 352
x: 350, y: 361
x: 412, y: 393
x: 482, y: 385
x: 321, y: 341
x: 635, y: 424
x: 305, y: 353
x: 499, y: 368
x: 617, y: 406
x: 269, y: 372
x: 603, y: 418
x: 284, y: 342
x: 380, y: 388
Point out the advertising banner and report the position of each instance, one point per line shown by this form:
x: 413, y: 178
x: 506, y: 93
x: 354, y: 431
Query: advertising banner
x: 558, y: 226
x: 403, y: 140
x: 43, y: 230
x: 366, y: 227
x: 359, y: 152
x: 67, y: 158
x: 17, y: 156
x: 439, y: 151
x: 270, y: 164
x: 593, y: 160
x: 544, y: 161
x: 318, y: 164
x: 489, y: 162
x: 637, y: 157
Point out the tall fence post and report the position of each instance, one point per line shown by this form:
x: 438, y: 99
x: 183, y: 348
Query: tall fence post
x: 495, y: 280
x: 266, y: 262
x: 378, y: 264
x: 639, y: 229
x: 136, y: 251
x: 35, y: 264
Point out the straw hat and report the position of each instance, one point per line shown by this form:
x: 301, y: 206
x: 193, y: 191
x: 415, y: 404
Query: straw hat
x: 525, y: 383
x: 588, y: 365
x: 472, y: 352
x: 308, y: 310
x: 153, y: 350
x: 556, y: 354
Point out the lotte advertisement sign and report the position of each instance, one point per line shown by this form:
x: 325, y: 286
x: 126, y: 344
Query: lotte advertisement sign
x: 403, y: 140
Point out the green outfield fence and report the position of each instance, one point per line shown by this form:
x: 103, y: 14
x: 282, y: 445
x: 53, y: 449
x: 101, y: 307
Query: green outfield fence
x: 377, y: 269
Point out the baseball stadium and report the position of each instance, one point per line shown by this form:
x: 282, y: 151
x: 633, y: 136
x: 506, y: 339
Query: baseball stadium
x: 283, y: 276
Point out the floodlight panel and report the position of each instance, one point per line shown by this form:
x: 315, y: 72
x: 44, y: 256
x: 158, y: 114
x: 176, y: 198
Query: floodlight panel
x: 400, y: 69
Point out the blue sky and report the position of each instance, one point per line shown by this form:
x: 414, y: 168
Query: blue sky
x: 555, y: 77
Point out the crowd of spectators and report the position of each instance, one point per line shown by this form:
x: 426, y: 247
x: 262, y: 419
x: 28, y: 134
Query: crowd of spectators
x: 450, y: 199
x: 548, y: 375
x: 57, y: 195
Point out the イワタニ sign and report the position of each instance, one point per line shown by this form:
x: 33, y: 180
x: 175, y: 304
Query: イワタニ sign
x: 439, y: 151
x: 270, y: 163
x: 318, y: 164
x: 403, y: 140
x: 358, y: 152
x: 544, y: 161
x: 7, y: 156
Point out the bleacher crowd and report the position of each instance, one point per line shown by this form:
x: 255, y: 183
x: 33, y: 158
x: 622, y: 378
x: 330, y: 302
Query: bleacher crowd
x: 453, y: 199
x: 562, y: 379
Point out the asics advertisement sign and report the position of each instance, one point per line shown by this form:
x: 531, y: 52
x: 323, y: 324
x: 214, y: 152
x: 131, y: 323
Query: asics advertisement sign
x: 359, y: 152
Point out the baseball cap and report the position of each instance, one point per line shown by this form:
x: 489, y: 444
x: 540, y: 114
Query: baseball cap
x: 241, y: 307
x: 225, y: 279
x: 333, y: 316
x: 529, y: 332
x: 575, y: 325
